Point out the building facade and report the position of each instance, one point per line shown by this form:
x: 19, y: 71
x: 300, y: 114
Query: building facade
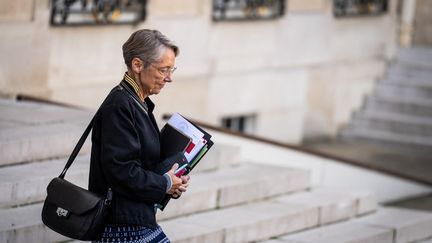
x: 290, y: 70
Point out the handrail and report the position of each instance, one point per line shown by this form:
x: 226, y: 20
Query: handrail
x: 309, y: 151
x: 24, y: 97
x: 262, y: 140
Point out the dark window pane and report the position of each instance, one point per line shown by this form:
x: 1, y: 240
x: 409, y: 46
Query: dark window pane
x: 97, y: 12
x: 247, y: 9
x: 241, y: 122
x: 244, y: 124
x: 342, y: 8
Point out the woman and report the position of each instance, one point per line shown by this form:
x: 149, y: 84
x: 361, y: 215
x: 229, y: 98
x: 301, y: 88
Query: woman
x: 125, y: 154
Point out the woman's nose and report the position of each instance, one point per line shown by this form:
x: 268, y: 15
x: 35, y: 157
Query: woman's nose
x: 168, y: 79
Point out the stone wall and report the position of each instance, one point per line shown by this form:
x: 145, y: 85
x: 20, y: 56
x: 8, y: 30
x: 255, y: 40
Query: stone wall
x: 24, y: 47
x: 302, y: 74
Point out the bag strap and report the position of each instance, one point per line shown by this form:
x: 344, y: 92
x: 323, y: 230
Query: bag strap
x: 74, y: 154
x: 83, y: 138
x: 77, y: 148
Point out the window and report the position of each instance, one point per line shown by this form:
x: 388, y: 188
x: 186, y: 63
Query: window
x: 345, y: 8
x: 225, y: 10
x: 97, y: 12
x: 245, y: 124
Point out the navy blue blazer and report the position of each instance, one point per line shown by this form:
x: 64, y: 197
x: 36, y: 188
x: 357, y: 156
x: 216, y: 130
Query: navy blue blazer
x: 125, y: 157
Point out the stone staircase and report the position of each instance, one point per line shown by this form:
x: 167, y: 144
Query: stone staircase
x: 399, y: 111
x: 386, y: 226
x: 229, y: 200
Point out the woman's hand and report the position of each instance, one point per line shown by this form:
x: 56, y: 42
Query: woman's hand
x: 183, y: 187
x: 179, y: 185
x: 176, y: 182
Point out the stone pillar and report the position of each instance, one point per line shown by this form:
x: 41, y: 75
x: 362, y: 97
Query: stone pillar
x: 407, y: 22
x: 422, y: 30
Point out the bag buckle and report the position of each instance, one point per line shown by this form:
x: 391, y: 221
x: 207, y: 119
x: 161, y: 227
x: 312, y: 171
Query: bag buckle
x: 61, y: 212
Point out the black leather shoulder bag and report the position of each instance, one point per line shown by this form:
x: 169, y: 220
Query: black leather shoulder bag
x: 73, y: 211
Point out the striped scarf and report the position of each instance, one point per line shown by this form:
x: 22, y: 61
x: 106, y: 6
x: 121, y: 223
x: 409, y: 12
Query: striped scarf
x: 134, y: 84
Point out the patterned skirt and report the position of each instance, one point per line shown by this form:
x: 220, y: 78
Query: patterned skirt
x: 132, y: 234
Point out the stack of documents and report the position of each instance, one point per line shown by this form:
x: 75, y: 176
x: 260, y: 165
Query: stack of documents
x: 181, y: 135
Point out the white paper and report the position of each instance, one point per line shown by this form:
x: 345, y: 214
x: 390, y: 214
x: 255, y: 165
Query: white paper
x: 190, y: 130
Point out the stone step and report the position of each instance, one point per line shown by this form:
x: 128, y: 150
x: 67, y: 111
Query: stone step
x: 420, y: 56
x: 34, y: 131
x: 411, y: 100
x: 21, y: 185
x: 334, y: 204
x: 390, y: 116
x: 408, y: 71
x: 226, y: 187
x: 414, y: 79
x: 24, y: 224
x: 263, y: 220
x: 408, y: 225
x: 219, y: 156
x: 411, y: 82
x: 346, y: 232
x: 402, y: 106
x: 387, y: 225
x: 29, y: 143
x: 392, y: 122
x: 208, y: 191
x: 245, y: 223
x: 402, y: 90
x: 351, y: 133
x: 33, y: 113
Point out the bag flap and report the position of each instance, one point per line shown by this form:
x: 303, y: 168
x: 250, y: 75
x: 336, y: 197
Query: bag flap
x: 71, y: 197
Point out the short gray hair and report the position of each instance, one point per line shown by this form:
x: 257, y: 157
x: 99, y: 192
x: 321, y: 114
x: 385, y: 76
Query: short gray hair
x: 147, y: 45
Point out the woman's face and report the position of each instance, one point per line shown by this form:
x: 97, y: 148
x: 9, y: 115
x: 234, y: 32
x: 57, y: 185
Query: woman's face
x: 153, y: 78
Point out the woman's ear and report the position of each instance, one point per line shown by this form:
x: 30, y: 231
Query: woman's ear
x: 137, y: 65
